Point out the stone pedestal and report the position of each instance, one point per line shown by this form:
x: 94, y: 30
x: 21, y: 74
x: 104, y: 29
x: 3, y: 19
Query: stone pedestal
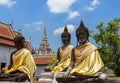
x: 12, y: 82
x: 81, y: 79
x: 45, y: 80
x: 46, y: 77
x: 88, y: 81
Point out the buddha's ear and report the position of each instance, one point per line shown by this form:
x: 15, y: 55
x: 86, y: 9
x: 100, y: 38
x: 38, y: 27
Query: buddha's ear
x: 23, y: 42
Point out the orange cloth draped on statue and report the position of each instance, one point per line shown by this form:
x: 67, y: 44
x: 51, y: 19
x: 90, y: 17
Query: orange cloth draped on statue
x: 65, y: 58
x: 23, y: 61
x: 87, y: 60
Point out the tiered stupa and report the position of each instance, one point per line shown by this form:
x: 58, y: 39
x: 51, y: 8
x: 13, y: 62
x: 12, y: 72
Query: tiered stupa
x: 44, y: 46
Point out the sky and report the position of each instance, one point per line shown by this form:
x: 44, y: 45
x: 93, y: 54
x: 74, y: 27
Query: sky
x: 29, y: 16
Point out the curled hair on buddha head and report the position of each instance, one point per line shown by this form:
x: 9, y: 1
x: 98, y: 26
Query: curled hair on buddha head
x: 65, y: 32
x: 82, y: 28
x: 19, y: 39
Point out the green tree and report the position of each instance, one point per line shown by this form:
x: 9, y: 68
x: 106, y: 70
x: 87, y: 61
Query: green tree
x: 108, y: 41
x: 51, y: 61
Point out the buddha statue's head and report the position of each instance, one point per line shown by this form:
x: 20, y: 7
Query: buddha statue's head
x: 19, y: 42
x: 65, y: 36
x: 82, y: 34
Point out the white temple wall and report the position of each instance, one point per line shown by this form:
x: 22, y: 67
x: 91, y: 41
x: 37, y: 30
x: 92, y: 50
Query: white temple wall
x: 5, y: 52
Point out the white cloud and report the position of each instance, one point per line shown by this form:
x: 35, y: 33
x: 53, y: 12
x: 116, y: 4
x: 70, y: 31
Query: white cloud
x: 59, y: 30
x: 38, y: 25
x: 94, y: 2
x: 59, y: 6
x: 34, y: 25
x: 26, y: 25
x: 73, y: 14
x: 93, y: 5
x: 38, y: 22
x: 8, y: 3
x: 38, y: 28
x: 62, y: 6
x: 89, y: 8
x: 71, y: 28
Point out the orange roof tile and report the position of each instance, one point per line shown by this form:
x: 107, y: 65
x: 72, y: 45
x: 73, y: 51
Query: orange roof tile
x: 42, y: 60
x: 6, y: 42
x: 5, y: 31
x: 28, y: 46
x: 6, y: 35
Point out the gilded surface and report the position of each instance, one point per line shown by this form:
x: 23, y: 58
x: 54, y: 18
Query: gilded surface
x: 65, y: 55
x: 88, y: 60
x: 23, y: 61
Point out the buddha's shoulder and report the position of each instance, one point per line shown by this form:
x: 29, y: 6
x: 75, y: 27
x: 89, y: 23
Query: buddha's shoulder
x: 92, y: 46
x: 71, y: 46
x: 26, y: 50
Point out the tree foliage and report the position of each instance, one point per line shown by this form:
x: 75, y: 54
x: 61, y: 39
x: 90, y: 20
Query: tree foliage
x: 108, y: 41
x: 51, y: 61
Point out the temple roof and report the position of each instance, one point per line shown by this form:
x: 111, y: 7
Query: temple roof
x: 43, y: 59
x: 6, y: 34
x: 29, y: 46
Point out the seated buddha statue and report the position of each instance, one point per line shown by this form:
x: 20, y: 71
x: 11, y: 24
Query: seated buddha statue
x: 63, y: 54
x: 62, y: 62
x: 85, y: 59
x: 22, y: 66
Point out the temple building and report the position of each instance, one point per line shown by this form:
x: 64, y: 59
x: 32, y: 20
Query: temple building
x: 6, y: 44
x: 44, y: 46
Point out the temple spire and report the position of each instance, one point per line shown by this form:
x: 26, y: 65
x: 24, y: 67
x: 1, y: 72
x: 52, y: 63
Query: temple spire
x: 44, y: 46
x: 44, y: 28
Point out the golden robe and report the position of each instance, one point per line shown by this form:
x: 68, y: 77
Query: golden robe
x: 23, y: 61
x: 65, y: 58
x: 87, y: 60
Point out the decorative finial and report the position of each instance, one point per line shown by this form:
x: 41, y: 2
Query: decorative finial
x: 81, y: 24
x: 82, y: 27
x: 12, y: 22
x: 65, y: 29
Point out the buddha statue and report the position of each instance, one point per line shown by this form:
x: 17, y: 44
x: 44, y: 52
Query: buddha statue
x: 63, y: 54
x: 22, y: 66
